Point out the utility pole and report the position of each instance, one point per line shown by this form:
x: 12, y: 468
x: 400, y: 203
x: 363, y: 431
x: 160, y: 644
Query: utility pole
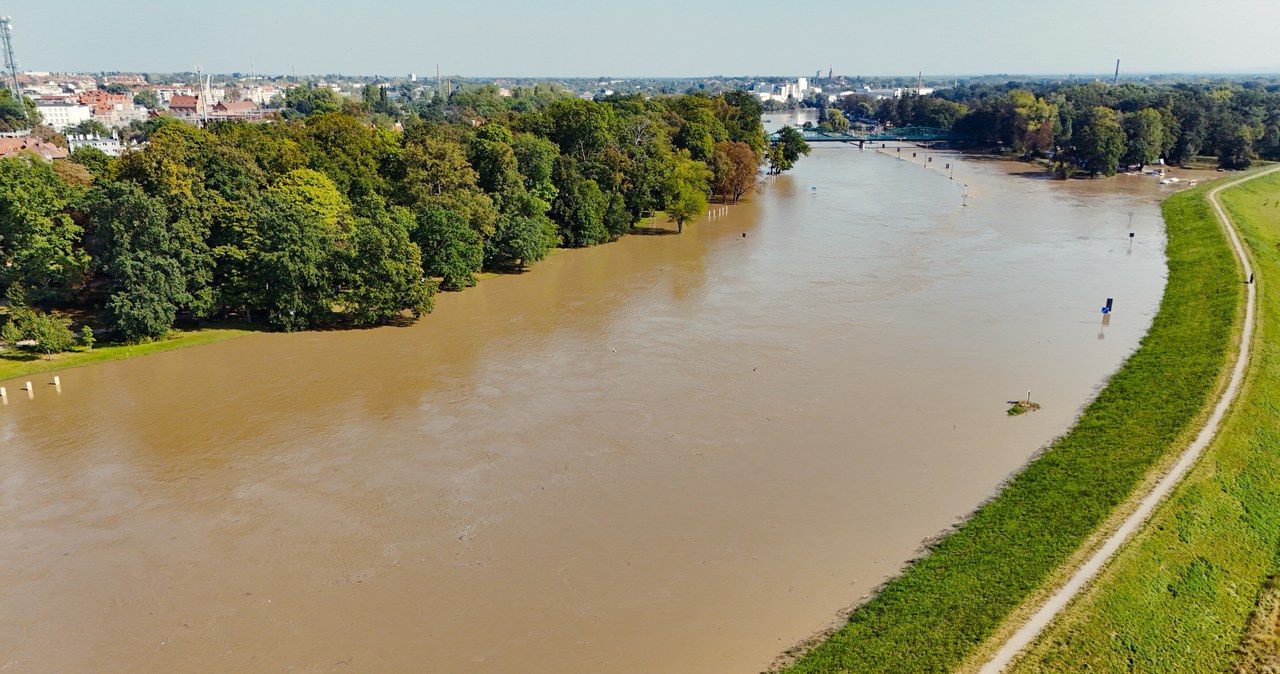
x: 11, y: 63
x: 1115, y: 80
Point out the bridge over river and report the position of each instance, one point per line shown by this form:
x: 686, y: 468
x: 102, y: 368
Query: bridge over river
x: 903, y: 134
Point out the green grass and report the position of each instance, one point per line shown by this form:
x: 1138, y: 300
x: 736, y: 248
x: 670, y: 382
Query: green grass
x: 15, y: 364
x: 945, y: 604
x: 1177, y: 598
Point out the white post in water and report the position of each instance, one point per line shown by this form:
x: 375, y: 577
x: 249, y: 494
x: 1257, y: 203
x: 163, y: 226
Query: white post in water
x: 57, y: 384
x: 31, y: 392
x: 4, y: 396
x: 1028, y: 395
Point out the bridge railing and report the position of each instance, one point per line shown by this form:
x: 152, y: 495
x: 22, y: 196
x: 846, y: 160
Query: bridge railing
x: 906, y: 133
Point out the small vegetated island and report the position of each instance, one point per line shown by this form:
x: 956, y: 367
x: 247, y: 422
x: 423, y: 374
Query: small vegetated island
x: 349, y: 212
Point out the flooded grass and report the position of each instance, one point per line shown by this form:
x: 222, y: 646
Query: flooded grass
x: 20, y: 363
x: 946, y: 603
x: 1178, y: 598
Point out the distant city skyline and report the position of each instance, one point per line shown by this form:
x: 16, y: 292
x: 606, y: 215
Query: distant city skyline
x: 662, y: 38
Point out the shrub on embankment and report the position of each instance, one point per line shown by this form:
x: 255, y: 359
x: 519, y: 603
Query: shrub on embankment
x: 1178, y: 598
x: 945, y: 604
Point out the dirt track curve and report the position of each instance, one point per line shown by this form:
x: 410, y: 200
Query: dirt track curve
x: 1046, y: 613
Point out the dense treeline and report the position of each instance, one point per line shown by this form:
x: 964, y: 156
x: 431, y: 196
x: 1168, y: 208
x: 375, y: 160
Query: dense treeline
x: 1099, y: 128
x: 354, y: 211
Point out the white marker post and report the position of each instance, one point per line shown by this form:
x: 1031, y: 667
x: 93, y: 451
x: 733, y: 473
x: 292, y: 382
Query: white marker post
x: 31, y: 392
x: 4, y: 396
x: 57, y: 384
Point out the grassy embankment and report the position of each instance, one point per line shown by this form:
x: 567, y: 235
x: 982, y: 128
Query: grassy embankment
x: 1178, y: 597
x: 946, y: 603
x: 15, y: 363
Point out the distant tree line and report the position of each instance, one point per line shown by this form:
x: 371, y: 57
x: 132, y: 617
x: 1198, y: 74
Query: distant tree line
x: 355, y: 211
x: 1098, y: 128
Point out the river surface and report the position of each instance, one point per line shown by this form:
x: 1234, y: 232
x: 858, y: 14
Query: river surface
x: 668, y: 454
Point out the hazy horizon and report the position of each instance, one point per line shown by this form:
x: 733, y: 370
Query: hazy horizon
x: 668, y: 39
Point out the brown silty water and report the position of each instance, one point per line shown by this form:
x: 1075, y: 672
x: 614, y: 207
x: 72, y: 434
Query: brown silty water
x: 668, y: 454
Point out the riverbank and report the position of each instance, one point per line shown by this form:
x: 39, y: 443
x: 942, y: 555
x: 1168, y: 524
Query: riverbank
x: 22, y: 364
x: 930, y: 618
x: 15, y: 364
x: 1179, y: 597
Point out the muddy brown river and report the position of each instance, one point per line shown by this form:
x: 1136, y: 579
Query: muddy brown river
x: 668, y: 454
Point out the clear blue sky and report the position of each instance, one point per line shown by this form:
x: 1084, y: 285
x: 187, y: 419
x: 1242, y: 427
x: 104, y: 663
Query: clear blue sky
x: 563, y: 38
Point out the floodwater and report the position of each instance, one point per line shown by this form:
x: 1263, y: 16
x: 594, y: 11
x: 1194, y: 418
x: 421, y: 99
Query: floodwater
x: 669, y: 454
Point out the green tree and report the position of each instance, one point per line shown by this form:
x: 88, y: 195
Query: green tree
x: 1145, y: 137
x: 787, y: 150
x: 1099, y: 141
x: 357, y: 158
x: 313, y: 192
x: 152, y: 126
x: 494, y: 161
x: 520, y: 240
x: 296, y: 271
x: 451, y: 248
x: 836, y: 121
x: 375, y: 99
x: 741, y: 116
x: 17, y: 113
x: 143, y: 253
x: 698, y: 126
x: 580, y: 206
x: 51, y: 333
x: 686, y: 190
x: 386, y: 271
x: 617, y: 219
x: 147, y: 99
x: 87, y: 338
x: 536, y: 158
x: 1033, y: 122
x: 40, y: 243
x: 581, y: 128
x: 308, y: 99
x: 90, y: 127
x: 93, y: 159
x: 1236, y: 151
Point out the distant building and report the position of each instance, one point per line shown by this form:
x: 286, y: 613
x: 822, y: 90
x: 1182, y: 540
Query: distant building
x: 112, y: 109
x: 236, y: 110
x: 11, y: 147
x: 184, y: 105
x: 109, y: 146
x: 131, y: 81
x: 235, y: 106
x: 880, y: 94
x: 166, y: 92
x: 61, y: 115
